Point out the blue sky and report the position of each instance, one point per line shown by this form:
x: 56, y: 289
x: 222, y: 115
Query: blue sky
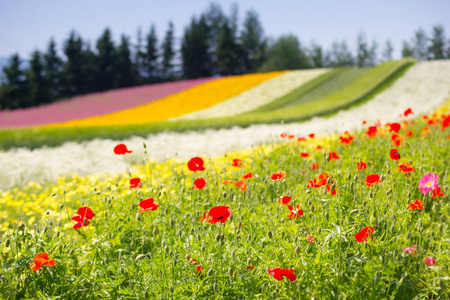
x: 28, y: 25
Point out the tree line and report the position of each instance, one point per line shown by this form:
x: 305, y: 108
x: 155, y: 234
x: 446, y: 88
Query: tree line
x: 212, y: 44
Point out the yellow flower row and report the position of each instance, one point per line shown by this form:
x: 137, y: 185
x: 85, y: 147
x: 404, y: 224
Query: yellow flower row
x: 193, y: 99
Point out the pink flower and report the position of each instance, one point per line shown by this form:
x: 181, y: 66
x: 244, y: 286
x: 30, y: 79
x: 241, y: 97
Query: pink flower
x: 430, y: 261
x: 428, y: 183
x: 411, y: 250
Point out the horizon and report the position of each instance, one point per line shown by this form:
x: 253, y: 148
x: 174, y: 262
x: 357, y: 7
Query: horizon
x: 331, y: 22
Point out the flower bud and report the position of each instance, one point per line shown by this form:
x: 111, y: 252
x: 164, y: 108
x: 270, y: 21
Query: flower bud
x: 210, y: 272
x: 138, y: 216
x: 327, y: 216
x: 216, y: 286
x: 172, y: 222
x: 270, y: 234
x: 297, y: 250
x: 408, y: 235
x: 53, y: 194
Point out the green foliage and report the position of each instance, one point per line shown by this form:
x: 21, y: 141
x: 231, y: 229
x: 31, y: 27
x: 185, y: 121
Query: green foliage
x: 228, y: 52
x: 122, y: 254
x: 286, y: 54
x: 107, y: 75
x: 168, y: 53
x: 14, y: 92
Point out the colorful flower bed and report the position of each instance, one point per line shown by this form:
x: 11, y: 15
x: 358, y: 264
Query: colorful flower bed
x: 349, y: 219
x: 193, y: 99
x: 94, y: 104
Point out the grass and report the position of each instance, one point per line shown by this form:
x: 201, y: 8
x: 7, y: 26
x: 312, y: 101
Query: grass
x: 123, y: 254
x: 315, y: 89
x: 358, y: 91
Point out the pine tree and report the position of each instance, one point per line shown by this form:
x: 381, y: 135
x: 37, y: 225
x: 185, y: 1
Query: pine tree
x: 420, y: 43
x: 407, y: 51
x: 212, y: 20
x: 316, y: 55
x: 14, y: 91
x: 126, y: 69
x: 107, y: 73
x: 254, y: 44
x: 38, y: 84
x: 227, y: 52
x: 150, y: 57
x: 437, y: 47
x: 373, y: 56
x: 388, y: 50
x: 286, y: 54
x: 139, y: 57
x: 362, y: 56
x: 73, y: 68
x: 53, y: 68
x: 168, y: 53
x: 340, y: 55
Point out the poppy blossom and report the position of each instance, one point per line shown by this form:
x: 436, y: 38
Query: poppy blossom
x: 205, y: 217
x: 437, y: 193
x: 135, y: 183
x: 409, y: 133
x: 361, y: 165
x: 199, y: 183
x: 364, y: 122
x: 219, y: 214
x: 372, y: 131
x: 199, y: 269
x: 278, y: 176
x: 428, y: 183
x: 394, y: 127
x: 372, y: 180
x: 84, y: 215
x: 310, y: 239
x: 248, y: 175
x: 312, y: 135
x: 301, y: 138
x: 314, y: 166
x: 284, y: 199
x: 250, y: 267
x: 398, y: 142
x: 333, y: 155
x: 429, y: 261
x: 304, y: 154
x: 40, y: 260
x: 291, y: 136
x: 241, y: 184
x: 278, y: 273
x: 394, y: 154
x: 121, y: 149
x: 408, y: 112
x: 446, y: 122
x: 237, y: 162
x: 283, y: 135
x: 148, y: 204
x: 332, y: 192
x: 405, y: 167
x: 364, y: 234
x: 346, y: 140
x: 227, y: 181
x: 319, y: 147
x: 418, y: 204
x: 196, y: 164
x: 410, y: 250
x: 318, y: 181
x: 295, y: 212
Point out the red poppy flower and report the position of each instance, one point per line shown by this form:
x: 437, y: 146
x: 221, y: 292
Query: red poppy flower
x: 199, y: 269
x: 394, y: 154
x: 346, y: 140
x: 278, y: 176
x: 405, y: 167
x: 301, y: 138
x: 372, y: 180
x: 409, y: 133
x: 241, y: 184
x: 318, y: 181
x: 395, y: 127
x: 84, y: 215
x: 196, y: 164
x: 135, y: 183
x: 364, y: 122
x: 319, y: 147
x: 248, y: 175
x: 372, y: 131
x: 278, y: 273
x: 250, y: 267
x: 437, y: 193
x: 314, y: 166
x: 40, y: 260
x: 237, y: 162
x: 284, y: 199
x: 416, y: 205
x: 364, y: 234
x: 219, y: 214
x: 329, y: 190
x: 304, y: 154
x: 310, y: 239
x: 446, y: 122
x: 199, y: 183
x: 303, y: 171
x: 333, y: 155
x: 408, y: 112
x: 148, y: 204
x: 227, y: 182
x: 205, y: 217
x: 398, y: 141
x: 312, y: 135
x: 291, y: 136
x: 295, y: 212
x: 121, y: 149
x: 361, y: 165
x: 283, y: 135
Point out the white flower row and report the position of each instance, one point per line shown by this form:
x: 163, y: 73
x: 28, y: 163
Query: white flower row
x: 257, y: 96
x: 424, y: 87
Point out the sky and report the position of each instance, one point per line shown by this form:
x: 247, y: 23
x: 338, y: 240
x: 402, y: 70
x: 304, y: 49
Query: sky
x: 29, y: 25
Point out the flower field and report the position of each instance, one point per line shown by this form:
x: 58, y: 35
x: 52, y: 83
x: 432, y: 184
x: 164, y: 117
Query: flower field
x: 359, y: 214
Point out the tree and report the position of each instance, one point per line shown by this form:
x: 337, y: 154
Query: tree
x: 373, y: 57
x: 53, y: 71
x: 39, y: 88
x: 139, y: 56
x: 73, y: 72
x: 213, y: 19
x: 362, y: 56
x: 196, y: 59
x: 340, y: 55
x: 407, y: 51
x: 420, y: 43
x: 13, y: 90
x: 126, y: 69
x: 227, y: 52
x: 168, y: 53
x: 150, y: 58
x: 388, y: 50
x: 107, y: 73
x: 254, y: 44
x: 316, y: 55
x: 437, y: 47
x: 286, y: 54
